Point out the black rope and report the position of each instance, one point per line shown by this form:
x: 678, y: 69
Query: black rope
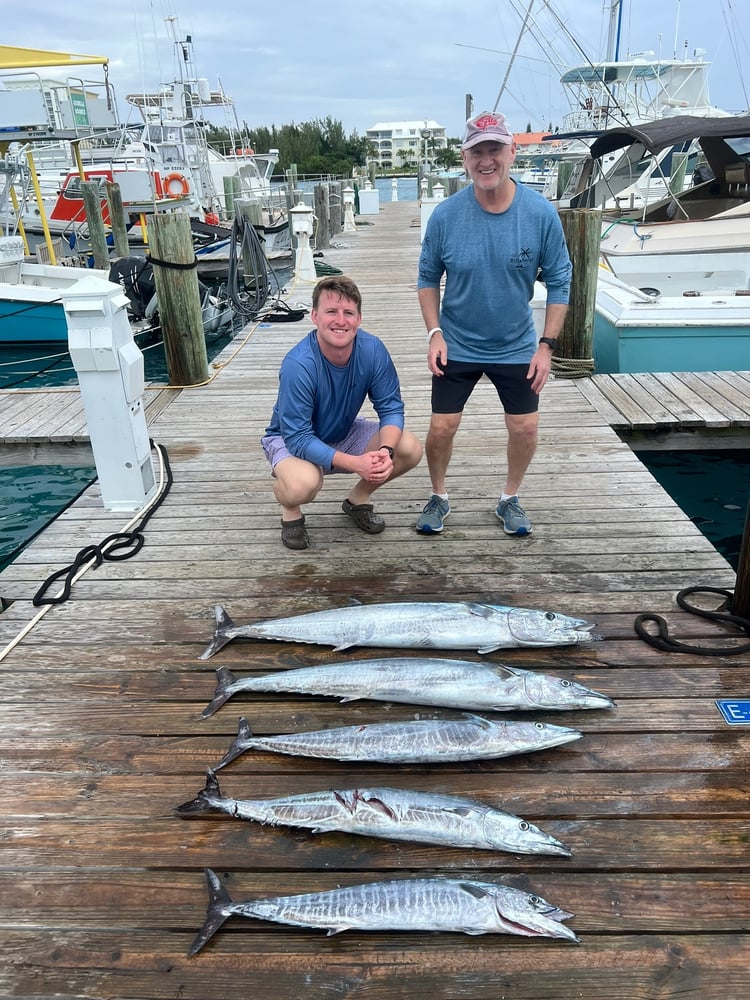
x: 114, y: 548
x: 173, y: 265
x: 665, y: 642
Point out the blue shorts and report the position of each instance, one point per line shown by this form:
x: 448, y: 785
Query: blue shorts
x: 355, y: 442
x: 451, y: 390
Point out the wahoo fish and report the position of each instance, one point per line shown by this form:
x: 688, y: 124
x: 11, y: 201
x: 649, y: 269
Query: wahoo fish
x: 458, y: 684
x: 457, y: 905
x: 425, y: 741
x: 415, y: 625
x: 446, y: 820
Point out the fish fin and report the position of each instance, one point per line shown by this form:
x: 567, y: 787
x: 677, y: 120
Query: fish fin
x: 200, y: 803
x: 482, y: 610
x: 223, y: 624
x: 354, y: 601
x: 244, y: 733
x: 340, y: 649
x: 350, y: 697
x: 479, y: 719
x: 474, y: 890
x: 218, y: 899
x: 224, y: 678
x: 335, y: 930
x: 488, y: 649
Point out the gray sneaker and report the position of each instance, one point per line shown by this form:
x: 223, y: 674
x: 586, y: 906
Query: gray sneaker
x: 513, y: 516
x: 430, y: 521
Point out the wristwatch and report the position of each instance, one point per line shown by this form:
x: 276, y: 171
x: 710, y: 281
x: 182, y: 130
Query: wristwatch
x: 549, y: 341
x: 386, y: 447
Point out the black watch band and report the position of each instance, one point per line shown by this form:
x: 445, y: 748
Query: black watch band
x: 549, y: 341
x: 387, y: 448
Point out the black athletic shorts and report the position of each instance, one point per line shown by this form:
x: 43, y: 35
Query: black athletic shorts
x: 451, y: 390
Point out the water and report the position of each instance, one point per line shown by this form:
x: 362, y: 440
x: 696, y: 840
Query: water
x: 30, y: 497
x: 711, y: 487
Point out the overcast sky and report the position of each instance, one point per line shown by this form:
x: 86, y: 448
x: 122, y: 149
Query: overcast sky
x: 383, y: 60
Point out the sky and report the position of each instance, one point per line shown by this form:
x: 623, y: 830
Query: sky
x: 390, y: 60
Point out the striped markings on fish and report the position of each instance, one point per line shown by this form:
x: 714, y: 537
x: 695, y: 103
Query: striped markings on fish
x: 411, y: 625
x: 436, y: 904
x: 457, y: 684
x: 391, y: 813
x: 423, y: 741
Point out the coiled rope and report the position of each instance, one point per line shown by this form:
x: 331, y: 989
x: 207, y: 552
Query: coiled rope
x: 572, y: 367
x: 93, y: 555
x: 662, y: 640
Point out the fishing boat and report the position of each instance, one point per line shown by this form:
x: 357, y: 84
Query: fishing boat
x: 626, y: 90
x: 31, y: 308
x: 696, y: 240
x: 638, y: 331
x: 69, y: 131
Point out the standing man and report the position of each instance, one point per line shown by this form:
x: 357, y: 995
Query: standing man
x: 315, y: 428
x: 491, y: 241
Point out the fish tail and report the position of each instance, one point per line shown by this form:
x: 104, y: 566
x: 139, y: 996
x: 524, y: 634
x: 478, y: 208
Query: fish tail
x: 224, y: 678
x: 238, y: 746
x: 218, y: 900
x: 201, y: 803
x: 224, y: 625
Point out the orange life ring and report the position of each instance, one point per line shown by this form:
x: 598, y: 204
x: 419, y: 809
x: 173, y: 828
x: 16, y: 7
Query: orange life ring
x: 172, y: 179
x: 248, y: 151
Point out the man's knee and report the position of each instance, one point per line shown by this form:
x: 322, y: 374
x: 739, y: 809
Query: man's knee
x: 297, y: 481
x: 409, y: 451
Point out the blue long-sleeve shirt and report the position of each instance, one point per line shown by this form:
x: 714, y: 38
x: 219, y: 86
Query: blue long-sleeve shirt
x: 490, y: 261
x: 318, y: 401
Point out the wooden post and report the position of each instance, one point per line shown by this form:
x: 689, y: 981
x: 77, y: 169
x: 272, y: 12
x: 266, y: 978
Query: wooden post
x: 230, y: 190
x: 321, y: 206
x: 93, y: 206
x: 336, y: 207
x: 253, y: 212
x: 741, y: 601
x: 179, y: 300
x: 117, y: 219
x: 582, y: 228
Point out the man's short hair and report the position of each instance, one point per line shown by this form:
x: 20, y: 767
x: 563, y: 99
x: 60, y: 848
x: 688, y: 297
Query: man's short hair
x: 339, y: 284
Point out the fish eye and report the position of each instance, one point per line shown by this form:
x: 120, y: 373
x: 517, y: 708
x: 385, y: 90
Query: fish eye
x: 550, y: 616
x: 523, y: 826
x: 566, y: 684
x: 535, y: 900
x: 539, y: 725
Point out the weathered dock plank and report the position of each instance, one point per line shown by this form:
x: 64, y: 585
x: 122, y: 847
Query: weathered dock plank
x: 101, y: 883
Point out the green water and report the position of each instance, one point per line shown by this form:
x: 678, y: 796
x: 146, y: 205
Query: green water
x: 30, y: 497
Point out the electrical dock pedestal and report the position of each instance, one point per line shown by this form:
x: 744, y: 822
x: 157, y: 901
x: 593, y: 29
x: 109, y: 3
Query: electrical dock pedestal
x: 111, y: 376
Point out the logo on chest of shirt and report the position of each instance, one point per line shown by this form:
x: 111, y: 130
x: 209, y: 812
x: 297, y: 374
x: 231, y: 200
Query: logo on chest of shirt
x: 522, y: 258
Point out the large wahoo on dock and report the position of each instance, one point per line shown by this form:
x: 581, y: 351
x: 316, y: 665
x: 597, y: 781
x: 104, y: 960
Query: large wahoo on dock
x: 459, y: 684
x: 415, y: 625
x: 406, y: 905
x: 397, y: 814
x: 425, y: 741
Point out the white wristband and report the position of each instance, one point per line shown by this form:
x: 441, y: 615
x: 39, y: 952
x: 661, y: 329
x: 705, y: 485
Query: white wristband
x: 435, y: 329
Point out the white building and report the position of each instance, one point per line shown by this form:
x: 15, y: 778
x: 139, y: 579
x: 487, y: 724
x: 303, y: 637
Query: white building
x: 397, y: 144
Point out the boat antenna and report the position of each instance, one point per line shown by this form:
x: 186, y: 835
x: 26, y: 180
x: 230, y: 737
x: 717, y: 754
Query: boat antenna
x: 676, y: 29
x: 508, y: 68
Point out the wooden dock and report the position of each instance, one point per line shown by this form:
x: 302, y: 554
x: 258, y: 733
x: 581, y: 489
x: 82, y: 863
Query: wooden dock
x: 101, y: 883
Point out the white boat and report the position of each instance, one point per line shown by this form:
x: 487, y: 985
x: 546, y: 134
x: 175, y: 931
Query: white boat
x: 697, y: 240
x: 638, y: 332
x: 616, y: 91
x: 161, y: 163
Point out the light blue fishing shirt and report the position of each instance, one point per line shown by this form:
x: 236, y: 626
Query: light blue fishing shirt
x: 318, y: 401
x: 490, y: 261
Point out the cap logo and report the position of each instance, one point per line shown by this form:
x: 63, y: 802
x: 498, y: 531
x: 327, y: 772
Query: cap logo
x: 486, y: 121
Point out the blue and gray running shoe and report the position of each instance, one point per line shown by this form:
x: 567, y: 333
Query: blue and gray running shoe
x: 430, y: 521
x: 513, y: 516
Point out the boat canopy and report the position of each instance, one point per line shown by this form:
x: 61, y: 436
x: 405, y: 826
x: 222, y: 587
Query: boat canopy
x: 14, y: 57
x: 610, y: 72
x: 657, y: 135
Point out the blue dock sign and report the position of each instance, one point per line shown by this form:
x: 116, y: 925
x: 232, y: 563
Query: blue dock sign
x: 735, y: 712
